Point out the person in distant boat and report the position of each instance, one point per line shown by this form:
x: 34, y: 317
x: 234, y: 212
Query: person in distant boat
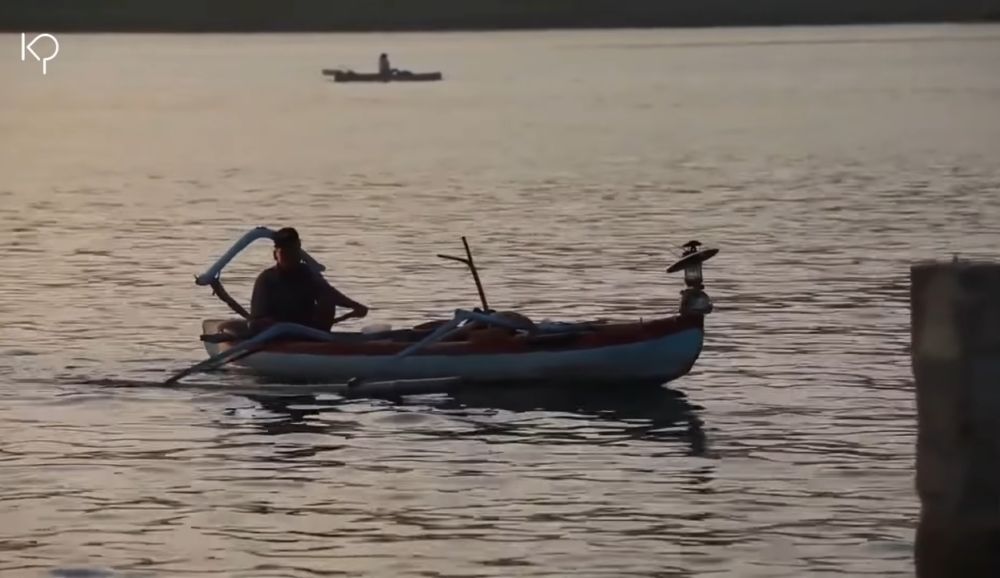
x: 384, y: 68
x: 292, y: 292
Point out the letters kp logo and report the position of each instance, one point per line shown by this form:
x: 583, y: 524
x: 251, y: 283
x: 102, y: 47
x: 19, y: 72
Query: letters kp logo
x: 29, y: 48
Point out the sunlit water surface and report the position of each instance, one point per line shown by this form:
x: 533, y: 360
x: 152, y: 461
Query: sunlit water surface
x: 823, y: 162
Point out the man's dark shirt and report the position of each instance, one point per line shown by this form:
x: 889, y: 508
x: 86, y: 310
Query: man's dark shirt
x: 286, y: 296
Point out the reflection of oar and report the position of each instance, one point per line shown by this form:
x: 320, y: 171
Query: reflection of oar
x: 253, y: 344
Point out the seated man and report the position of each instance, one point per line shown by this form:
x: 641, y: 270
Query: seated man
x: 292, y: 292
x: 384, y: 68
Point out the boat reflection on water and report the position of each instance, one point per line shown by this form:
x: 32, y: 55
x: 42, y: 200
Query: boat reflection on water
x: 649, y: 413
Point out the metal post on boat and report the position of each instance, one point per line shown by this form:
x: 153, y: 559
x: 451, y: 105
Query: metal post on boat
x: 694, y: 300
x: 955, y: 355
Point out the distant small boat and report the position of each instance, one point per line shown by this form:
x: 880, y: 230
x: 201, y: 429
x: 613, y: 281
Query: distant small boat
x: 396, y: 76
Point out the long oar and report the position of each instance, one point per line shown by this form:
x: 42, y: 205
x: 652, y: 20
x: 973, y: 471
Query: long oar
x: 435, y: 336
x: 249, y: 352
x: 220, y: 359
x: 444, y: 332
x: 251, y: 346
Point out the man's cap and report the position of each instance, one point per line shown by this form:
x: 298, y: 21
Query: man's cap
x: 287, y: 238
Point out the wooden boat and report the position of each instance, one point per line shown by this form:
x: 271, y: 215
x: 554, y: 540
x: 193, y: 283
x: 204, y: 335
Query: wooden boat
x: 654, y: 351
x: 396, y: 76
x: 475, y: 346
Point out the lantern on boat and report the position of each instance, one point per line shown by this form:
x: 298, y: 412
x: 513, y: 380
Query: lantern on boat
x: 694, y: 300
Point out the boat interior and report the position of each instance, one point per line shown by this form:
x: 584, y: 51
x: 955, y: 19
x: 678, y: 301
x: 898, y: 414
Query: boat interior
x: 474, y: 331
x: 474, y: 336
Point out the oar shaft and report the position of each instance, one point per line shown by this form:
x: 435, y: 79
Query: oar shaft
x: 435, y: 336
x: 251, y: 345
x: 222, y: 357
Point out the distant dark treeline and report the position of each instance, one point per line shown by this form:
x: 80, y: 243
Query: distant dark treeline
x: 362, y: 15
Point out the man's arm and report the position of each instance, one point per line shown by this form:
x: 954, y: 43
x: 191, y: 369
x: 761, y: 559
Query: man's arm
x: 330, y: 294
x: 261, y: 310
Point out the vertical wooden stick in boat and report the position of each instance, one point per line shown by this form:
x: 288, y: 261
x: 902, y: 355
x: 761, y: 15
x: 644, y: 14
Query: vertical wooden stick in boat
x: 471, y: 264
x: 475, y: 275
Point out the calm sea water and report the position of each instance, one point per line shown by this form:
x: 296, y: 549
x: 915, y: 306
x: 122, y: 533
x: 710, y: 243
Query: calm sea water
x: 822, y: 162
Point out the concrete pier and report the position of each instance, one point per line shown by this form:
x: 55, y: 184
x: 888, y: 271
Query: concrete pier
x: 955, y: 337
